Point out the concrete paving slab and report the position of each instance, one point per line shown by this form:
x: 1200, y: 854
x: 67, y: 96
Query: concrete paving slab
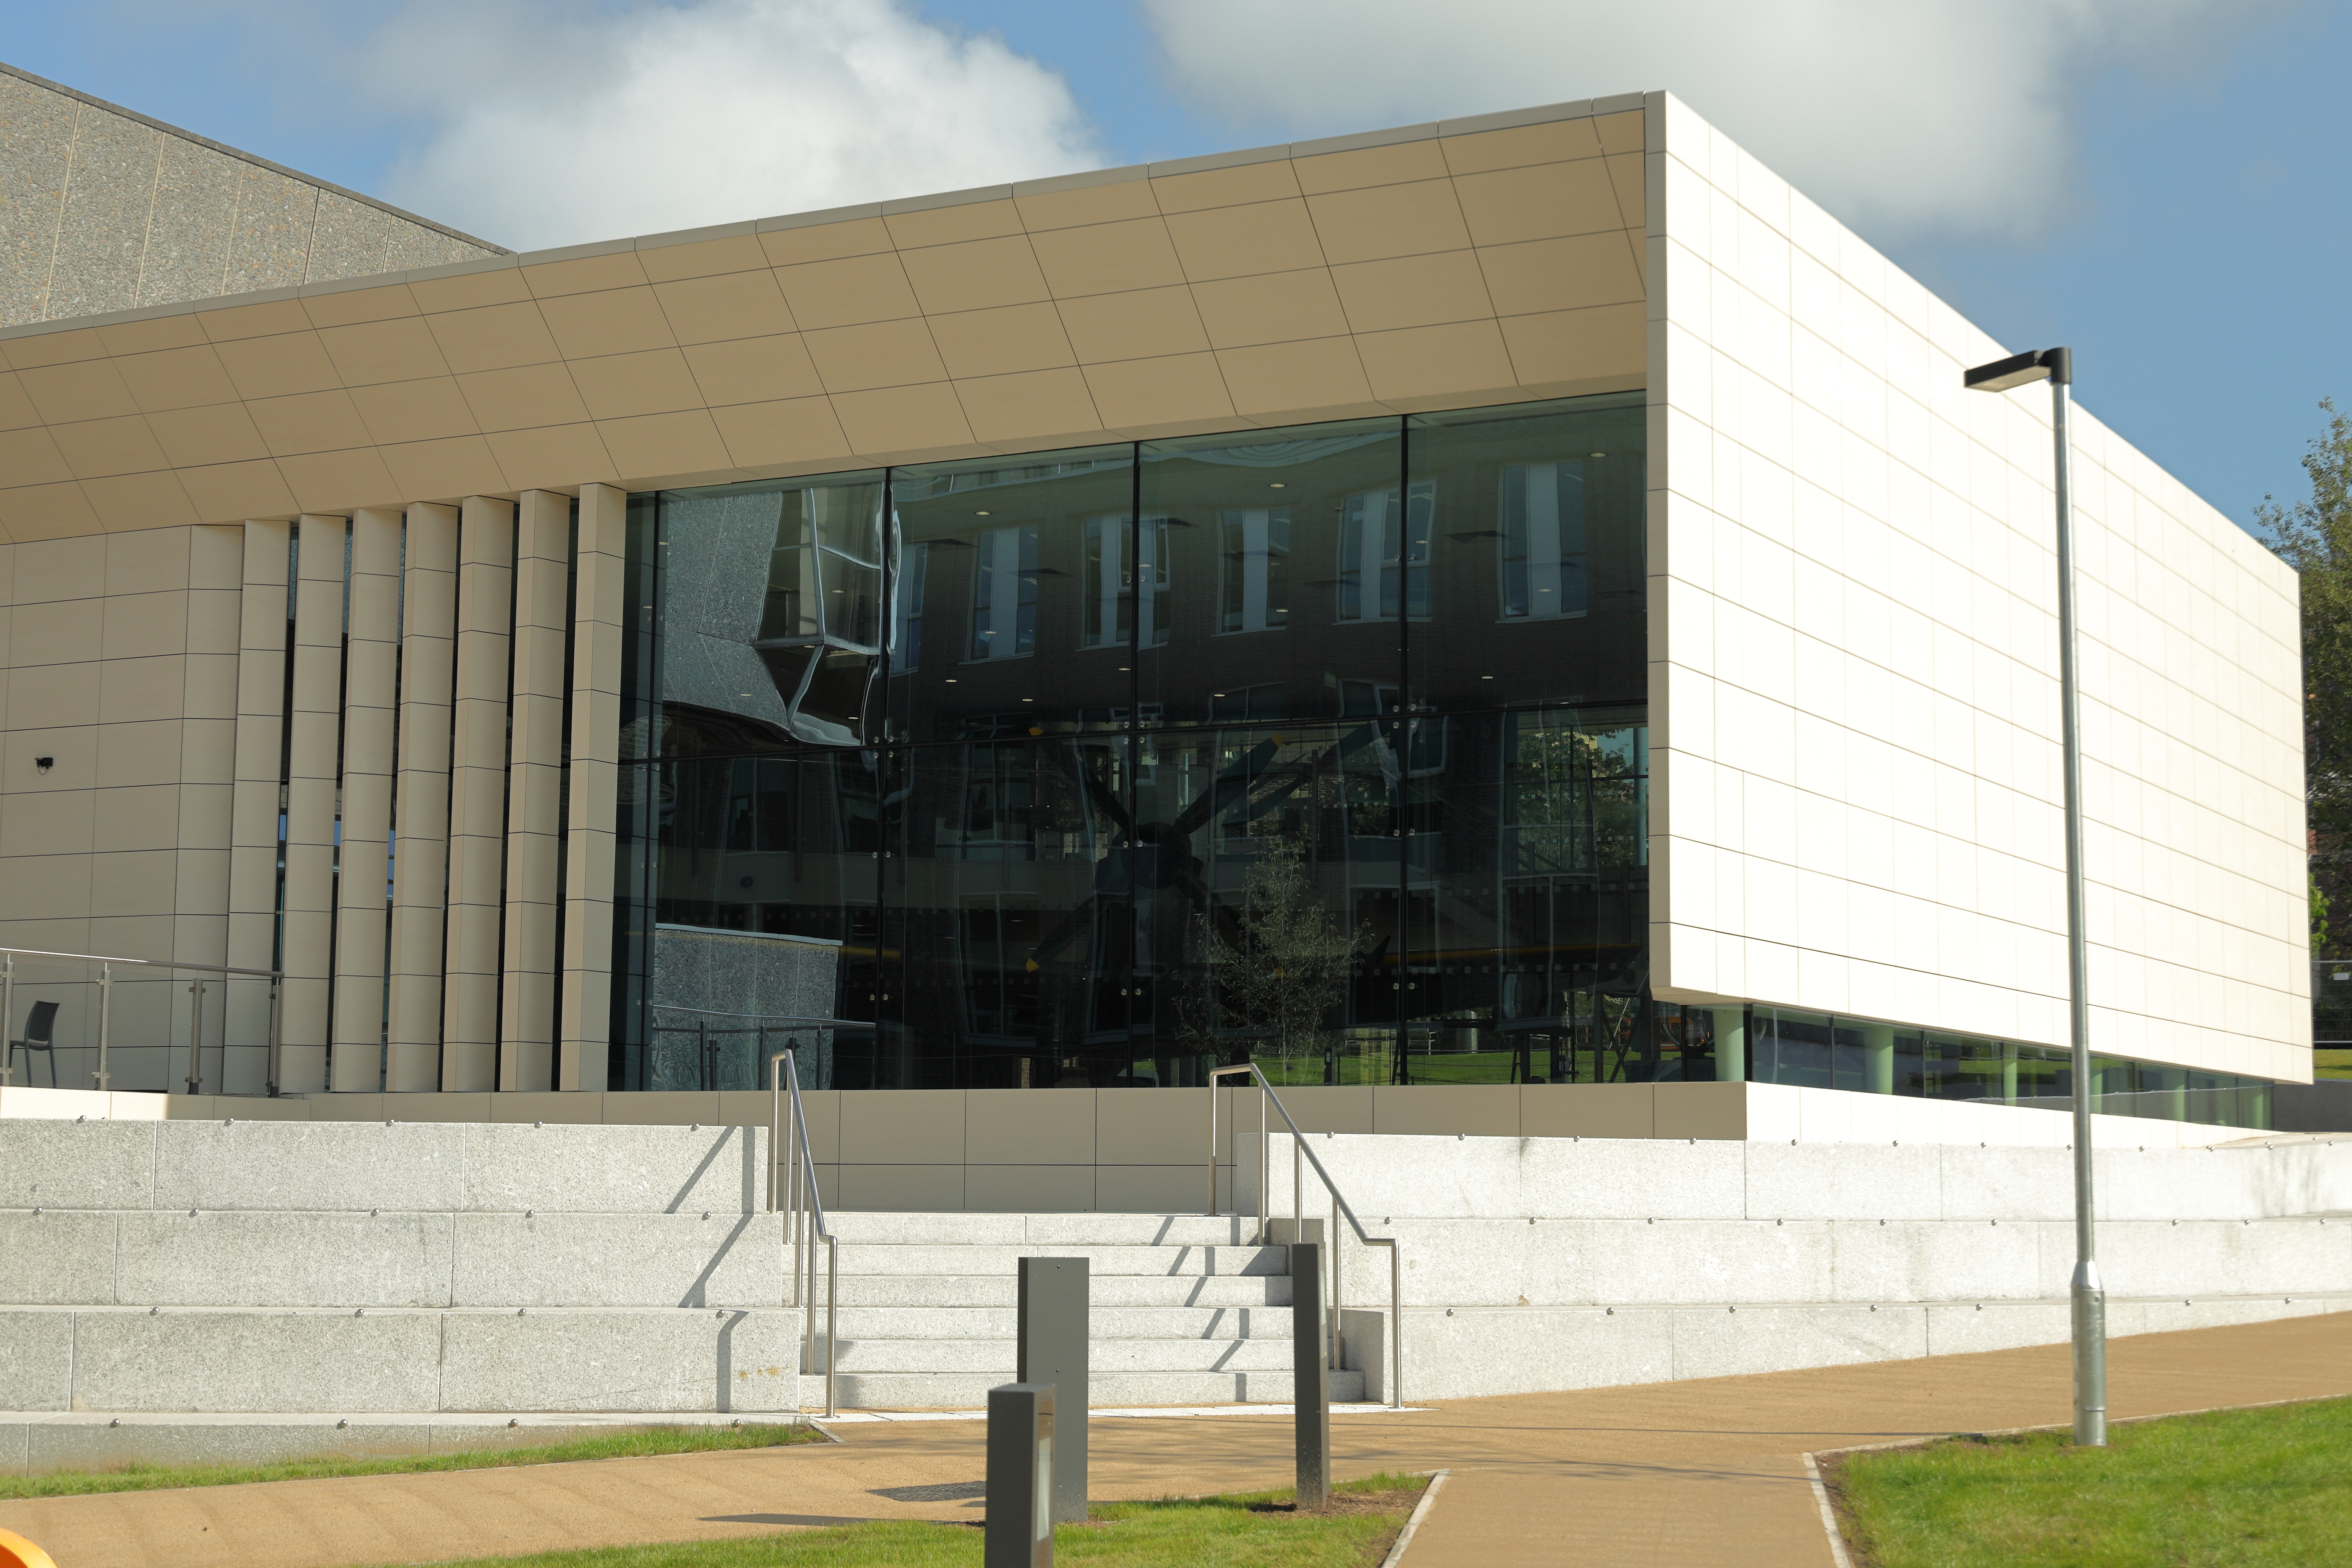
x: 1667, y: 1475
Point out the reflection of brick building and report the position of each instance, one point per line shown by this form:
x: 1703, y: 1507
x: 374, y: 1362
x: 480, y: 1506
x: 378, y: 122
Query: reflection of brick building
x: 1563, y: 539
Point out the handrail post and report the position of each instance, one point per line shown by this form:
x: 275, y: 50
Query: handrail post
x: 105, y: 993
x: 8, y: 1019
x: 1338, y: 1208
x: 806, y: 1170
x: 1335, y: 1279
x: 1213, y: 1142
x: 277, y: 1028
x: 1396, y: 1324
x: 195, y: 1035
x: 1262, y: 1231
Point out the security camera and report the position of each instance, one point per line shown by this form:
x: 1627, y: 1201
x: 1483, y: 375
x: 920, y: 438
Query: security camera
x: 45, y: 764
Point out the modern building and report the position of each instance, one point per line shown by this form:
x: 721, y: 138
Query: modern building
x: 1517, y: 601
x: 1511, y: 627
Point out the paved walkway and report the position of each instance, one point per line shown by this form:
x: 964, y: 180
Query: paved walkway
x: 1699, y: 1473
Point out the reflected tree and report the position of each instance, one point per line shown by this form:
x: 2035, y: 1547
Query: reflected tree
x: 1284, y: 971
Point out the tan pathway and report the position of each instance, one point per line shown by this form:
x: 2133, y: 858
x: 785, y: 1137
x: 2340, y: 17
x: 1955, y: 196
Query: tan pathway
x: 1699, y: 1473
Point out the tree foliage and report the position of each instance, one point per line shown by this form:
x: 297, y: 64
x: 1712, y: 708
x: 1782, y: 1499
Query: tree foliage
x: 2315, y: 537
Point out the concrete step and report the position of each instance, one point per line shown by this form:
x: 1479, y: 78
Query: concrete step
x: 956, y: 1322
x: 999, y: 1357
x: 224, y: 1257
x: 965, y: 1391
x: 869, y: 1258
x: 1038, y: 1233
x: 295, y: 1361
x: 1104, y: 1289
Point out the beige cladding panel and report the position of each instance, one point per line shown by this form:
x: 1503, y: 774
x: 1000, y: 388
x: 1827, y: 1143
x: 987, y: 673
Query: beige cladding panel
x: 599, y: 622
x: 371, y: 674
x: 996, y: 325
x: 428, y: 608
x: 260, y: 748
x: 477, y: 768
x: 312, y: 783
x: 534, y: 792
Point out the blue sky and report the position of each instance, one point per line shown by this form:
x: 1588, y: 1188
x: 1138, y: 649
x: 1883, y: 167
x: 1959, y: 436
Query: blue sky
x: 2190, y: 245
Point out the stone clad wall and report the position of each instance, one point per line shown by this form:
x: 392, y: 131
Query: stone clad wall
x: 103, y: 210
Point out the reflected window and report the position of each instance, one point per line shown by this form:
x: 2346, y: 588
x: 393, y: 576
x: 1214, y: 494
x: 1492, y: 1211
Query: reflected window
x: 1254, y: 589
x: 1543, y: 540
x: 1004, y: 593
x: 1382, y: 532
x: 997, y: 816
x: 1111, y: 586
x: 907, y: 624
x: 1577, y: 796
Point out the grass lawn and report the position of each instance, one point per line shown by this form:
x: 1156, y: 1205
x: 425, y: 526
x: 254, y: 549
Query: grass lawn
x: 1241, y: 1532
x: 140, y: 1478
x: 2250, y: 1487
x: 2331, y: 1063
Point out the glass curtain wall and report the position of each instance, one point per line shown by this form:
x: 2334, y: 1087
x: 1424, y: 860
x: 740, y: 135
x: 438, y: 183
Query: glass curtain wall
x: 1321, y: 747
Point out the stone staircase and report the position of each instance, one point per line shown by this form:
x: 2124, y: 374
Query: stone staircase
x: 1186, y: 1309
x: 298, y: 1270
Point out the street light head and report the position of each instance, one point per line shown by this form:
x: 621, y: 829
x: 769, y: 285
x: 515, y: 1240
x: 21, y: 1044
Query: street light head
x: 2053, y: 365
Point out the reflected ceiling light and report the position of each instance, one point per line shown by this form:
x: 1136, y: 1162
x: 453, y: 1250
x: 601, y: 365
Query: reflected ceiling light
x: 1486, y: 678
x: 1028, y: 699
x: 950, y: 680
x: 1277, y: 484
x: 983, y: 514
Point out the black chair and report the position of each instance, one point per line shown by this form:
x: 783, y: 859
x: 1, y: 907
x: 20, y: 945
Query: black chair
x: 40, y: 1034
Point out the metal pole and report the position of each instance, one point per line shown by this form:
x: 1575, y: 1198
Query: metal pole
x: 1262, y: 1092
x: 1396, y: 1328
x: 277, y: 1030
x: 105, y: 992
x: 195, y: 1037
x: 8, y: 1019
x: 2089, y: 1299
x: 1331, y: 1327
x: 1212, y: 1145
x: 831, y: 1314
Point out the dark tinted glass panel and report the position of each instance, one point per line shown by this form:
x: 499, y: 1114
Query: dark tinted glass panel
x: 1256, y: 910
x: 760, y: 875
x: 1005, y: 906
x: 1016, y: 596
x: 1791, y: 1047
x: 1561, y: 795
x: 1277, y: 564
x: 1531, y: 570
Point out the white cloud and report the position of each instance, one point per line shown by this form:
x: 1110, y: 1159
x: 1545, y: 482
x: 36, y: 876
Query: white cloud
x: 553, y: 124
x: 1899, y: 115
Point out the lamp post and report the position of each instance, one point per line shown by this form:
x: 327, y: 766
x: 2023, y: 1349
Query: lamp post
x: 2090, y: 1300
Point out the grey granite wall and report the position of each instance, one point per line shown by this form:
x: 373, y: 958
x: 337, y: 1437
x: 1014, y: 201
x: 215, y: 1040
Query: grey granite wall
x: 103, y: 210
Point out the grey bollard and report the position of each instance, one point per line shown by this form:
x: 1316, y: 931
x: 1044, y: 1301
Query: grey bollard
x: 1053, y: 1337
x: 1020, y: 1524
x: 1310, y: 1379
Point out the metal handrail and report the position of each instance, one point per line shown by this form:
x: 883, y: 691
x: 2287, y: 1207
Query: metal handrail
x: 106, y: 963
x: 1297, y: 1208
x: 803, y: 1179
